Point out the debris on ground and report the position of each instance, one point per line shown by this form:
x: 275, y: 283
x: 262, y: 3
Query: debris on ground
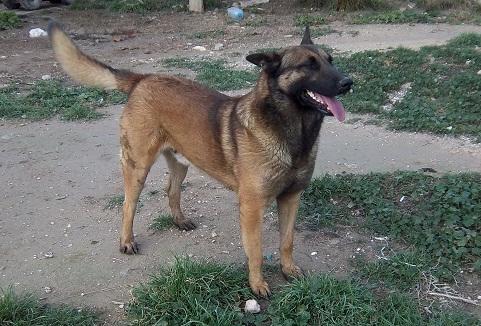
x: 252, y: 306
x: 37, y: 32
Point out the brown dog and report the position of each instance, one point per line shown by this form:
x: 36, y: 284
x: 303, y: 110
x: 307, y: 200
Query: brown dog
x: 262, y: 145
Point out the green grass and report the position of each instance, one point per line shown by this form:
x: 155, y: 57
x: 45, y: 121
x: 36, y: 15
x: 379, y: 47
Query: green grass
x: 162, y: 222
x: 309, y: 20
x: 204, y: 293
x: 346, y: 5
x: 214, y: 73
x: 400, y: 271
x: 191, y: 293
x: 141, y: 6
x: 47, y: 99
x: 439, y: 215
x: 116, y: 201
x: 394, y: 17
x: 9, y: 20
x: 445, y: 87
x: 209, y: 34
x: 25, y: 310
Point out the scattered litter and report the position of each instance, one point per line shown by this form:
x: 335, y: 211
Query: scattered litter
x: 46, y: 77
x: 199, y: 48
x: 61, y: 197
x: 252, y: 306
x: 313, y: 253
x: 450, y: 128
x: 235, y: 13
x: 402, y: 199
x: 48, y: 254
x: 47, y: 289
x: 37, y: 32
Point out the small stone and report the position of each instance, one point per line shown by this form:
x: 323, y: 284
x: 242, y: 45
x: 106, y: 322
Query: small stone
x: 479, y: 72
x: 218, y: 46
x: 213, y: 234
x: 450, y: 128
x: 47, y: 289
x: 199, y: 48
x: 37, y: 32
x: 46, y: 77
x: 48, y: 254
x: 252, y: 306
x: 313, y: 253
x: 479, y: 297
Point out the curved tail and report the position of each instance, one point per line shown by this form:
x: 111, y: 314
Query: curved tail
x: 85, y: 69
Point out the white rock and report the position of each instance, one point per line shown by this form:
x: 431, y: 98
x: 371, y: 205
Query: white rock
x: 313, y: 253
x: 218, y: 46
x: 479, y: 297
x: 199, y: 48
x: 48, y: 254
x: 47, y: 289
x: 252, y: 306
x: 213, y: 234
x: 37, y: 32
x: 479, y: 72
x: 46, y: 77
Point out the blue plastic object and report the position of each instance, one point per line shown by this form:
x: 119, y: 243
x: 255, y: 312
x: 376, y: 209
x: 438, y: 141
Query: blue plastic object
x: 235, y: 13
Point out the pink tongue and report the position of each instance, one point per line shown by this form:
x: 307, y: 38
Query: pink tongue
x: 335, y: 107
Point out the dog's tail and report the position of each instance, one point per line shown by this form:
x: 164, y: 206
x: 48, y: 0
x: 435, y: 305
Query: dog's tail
x: 85, y: 69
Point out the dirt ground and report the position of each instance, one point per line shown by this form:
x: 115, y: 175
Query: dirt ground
x: 57, y: 177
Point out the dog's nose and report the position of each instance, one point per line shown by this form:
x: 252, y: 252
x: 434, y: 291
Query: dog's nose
x: 345, y: 85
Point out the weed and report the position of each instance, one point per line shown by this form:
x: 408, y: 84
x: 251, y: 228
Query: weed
x: 447, y: 4
x: 197, y: 293
x: 309, y: 20
x: 439, y: 215
x: 400, y: 271
x: 141, y: 6
x: 47, y: 99
x: 347, y: 5
x: 209, y: 34
x: 26, y: 310
x: 445, y: 89
x: 116, y: 201
x: 394, y: 17
x: 8, y: 20
x: 162, y: 222
x: 214, y: 73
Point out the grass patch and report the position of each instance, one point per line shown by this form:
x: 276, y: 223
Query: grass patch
x: 191, y: 293
x: 346, y: 5
x: 116, y: 201
x: 447, y: 4
x: 9, y: 20
x: 47, y: 99
x: 309, y: 20
x: 214, y: 73
x: 209, y: 34
x: 394, y: 17
x: 27, y: 310
x: 445, y: 88
x: 162, y: 222
x: 141, y: 6
x: 400, y: 271
x: 203, y: 293
x: 439, y: 215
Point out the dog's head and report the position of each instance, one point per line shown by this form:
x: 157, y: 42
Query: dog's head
x: 307, y: 75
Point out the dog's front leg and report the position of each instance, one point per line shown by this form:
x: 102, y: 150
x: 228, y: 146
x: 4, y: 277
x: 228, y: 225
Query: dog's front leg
x: 251, y: 212
x: 287, y: 205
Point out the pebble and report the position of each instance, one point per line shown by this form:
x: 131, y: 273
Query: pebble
x: 213, y: 234
x: 218, y: 46
x: 252, y: 306
x: 313, y: 253
x: 47, y: 289
x: 46, y: 77
x: 37, y: 32
x: 479, y: 297
x: 48, y: 254
x: 479, y: 72
x: 199, y: 48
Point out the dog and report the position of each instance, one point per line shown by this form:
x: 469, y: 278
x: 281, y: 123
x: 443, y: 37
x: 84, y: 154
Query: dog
x: 261, y: 145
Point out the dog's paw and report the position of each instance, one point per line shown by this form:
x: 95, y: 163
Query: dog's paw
x: 185, y: 224
x: 292, y: 272
x: 129, y: 248
x: 260, y: 288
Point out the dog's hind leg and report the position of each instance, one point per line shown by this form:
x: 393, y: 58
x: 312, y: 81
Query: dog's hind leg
x: 178, y: 172
x: 137, y: 157
x: 287, y: 205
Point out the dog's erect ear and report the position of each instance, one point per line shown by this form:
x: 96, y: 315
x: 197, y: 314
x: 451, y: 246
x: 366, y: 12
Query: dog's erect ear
x: 269, y: 61
x: 306, y: 39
